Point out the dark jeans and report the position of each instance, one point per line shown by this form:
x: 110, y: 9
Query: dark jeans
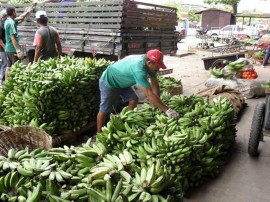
x: 3, y: 57
x: 11, y: 58
x: 266, y: 56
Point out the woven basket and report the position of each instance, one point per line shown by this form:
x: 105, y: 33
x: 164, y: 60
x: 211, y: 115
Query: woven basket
x: 176, y: 91
x: 22, y: 137
x: 3, y: 128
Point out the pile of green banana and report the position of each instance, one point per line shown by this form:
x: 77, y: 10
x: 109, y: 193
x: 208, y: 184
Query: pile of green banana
x: 140, y: 155
x: 220, y: 73
x: 192, y: 147
x: 236, y: 65
x: 60, y: 174
x: 167, y: 83
x: 59, y: 95
x: 86, y: 173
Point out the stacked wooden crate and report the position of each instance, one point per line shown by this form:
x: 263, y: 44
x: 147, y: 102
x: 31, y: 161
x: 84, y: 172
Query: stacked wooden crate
x: 109, y: 27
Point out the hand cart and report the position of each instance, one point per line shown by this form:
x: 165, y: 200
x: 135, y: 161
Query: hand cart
x: 231, y: 52
x: 204, y: 44
x: 218, y: 61
x: 260, y: 123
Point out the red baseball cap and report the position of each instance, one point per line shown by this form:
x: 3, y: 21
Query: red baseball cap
x: 157, y: 57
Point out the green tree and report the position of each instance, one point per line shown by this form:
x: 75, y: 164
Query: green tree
x: 175, y: 4
x: 192, y: 16
x: 232, y: 3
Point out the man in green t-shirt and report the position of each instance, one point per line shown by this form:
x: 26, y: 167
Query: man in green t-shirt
x: 13, y: 50
x: 117, y: 79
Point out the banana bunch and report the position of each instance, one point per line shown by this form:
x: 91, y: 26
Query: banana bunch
x: 236, y: 66
x: 111, y: 192
x: 184, y: 104
x: 150, y: 181
x: 132, y: 117
x: 118, y: 140
x: 17, y: 187
x: 221, y: 73
x: 216, y: 72
x: 112, y: 168
x: 113, y: 164
x: 125, y: 130
x: 165, y: 96
x: 167, y: 83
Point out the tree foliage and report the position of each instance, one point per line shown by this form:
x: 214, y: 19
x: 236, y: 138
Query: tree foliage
x: 175, y: 4
x: 192, y: 16
x: 232, y: 3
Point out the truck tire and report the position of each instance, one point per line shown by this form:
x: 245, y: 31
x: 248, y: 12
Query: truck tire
x: 256, y: 129
x: 198, y: 35
x: 267, y: 115
x: 179, y: 38
x: 214, y: 37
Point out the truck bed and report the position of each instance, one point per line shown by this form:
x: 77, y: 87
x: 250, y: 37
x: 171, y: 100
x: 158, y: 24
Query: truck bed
x: 109, y: 27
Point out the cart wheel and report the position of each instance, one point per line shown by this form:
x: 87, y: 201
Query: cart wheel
x: 256, y: 129
x: 267, y: 115
x: 219, y: 63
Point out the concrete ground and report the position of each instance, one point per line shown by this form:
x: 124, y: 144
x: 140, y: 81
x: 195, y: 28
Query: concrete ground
x: 243, y: 178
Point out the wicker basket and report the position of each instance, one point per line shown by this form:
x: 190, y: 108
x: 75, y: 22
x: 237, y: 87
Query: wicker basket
x: 238, y: 75
x: 22, y: 137
x: 176, y: 91
x: 3, y: 128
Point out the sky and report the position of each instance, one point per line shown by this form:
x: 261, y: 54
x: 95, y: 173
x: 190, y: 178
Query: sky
x: 261, y: 6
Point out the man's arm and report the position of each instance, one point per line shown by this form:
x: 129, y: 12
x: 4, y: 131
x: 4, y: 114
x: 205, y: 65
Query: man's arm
x: 59, y: 49
x: 153, y: 98
x: 58, y: 45
x: 1, y: 40
x: 155, y: 86
x: 25, y: 13
x: 14, y: 42
x: 2, y: 44
x: 37, y: 53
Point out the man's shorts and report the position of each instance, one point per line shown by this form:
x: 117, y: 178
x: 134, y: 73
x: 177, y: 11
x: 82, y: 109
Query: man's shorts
x: 11, y: 58
x: 110, y: 97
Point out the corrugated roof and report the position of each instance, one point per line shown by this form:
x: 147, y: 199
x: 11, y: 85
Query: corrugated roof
x: 212, y: 9
x: 254, y: 15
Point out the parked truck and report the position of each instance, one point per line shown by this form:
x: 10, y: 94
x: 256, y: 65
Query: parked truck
x: 107, y: 28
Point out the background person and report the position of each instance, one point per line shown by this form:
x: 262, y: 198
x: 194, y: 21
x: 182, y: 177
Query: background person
x: 267, y: 56
x: 46, y: 39
x: 13, y: 50
x: 3, y: 55
x: 117, y: 79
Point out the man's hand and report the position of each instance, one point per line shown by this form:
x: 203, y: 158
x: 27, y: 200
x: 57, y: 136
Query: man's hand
x: 172, y: 114
x: 19, y: 54
x: 28, y: 9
